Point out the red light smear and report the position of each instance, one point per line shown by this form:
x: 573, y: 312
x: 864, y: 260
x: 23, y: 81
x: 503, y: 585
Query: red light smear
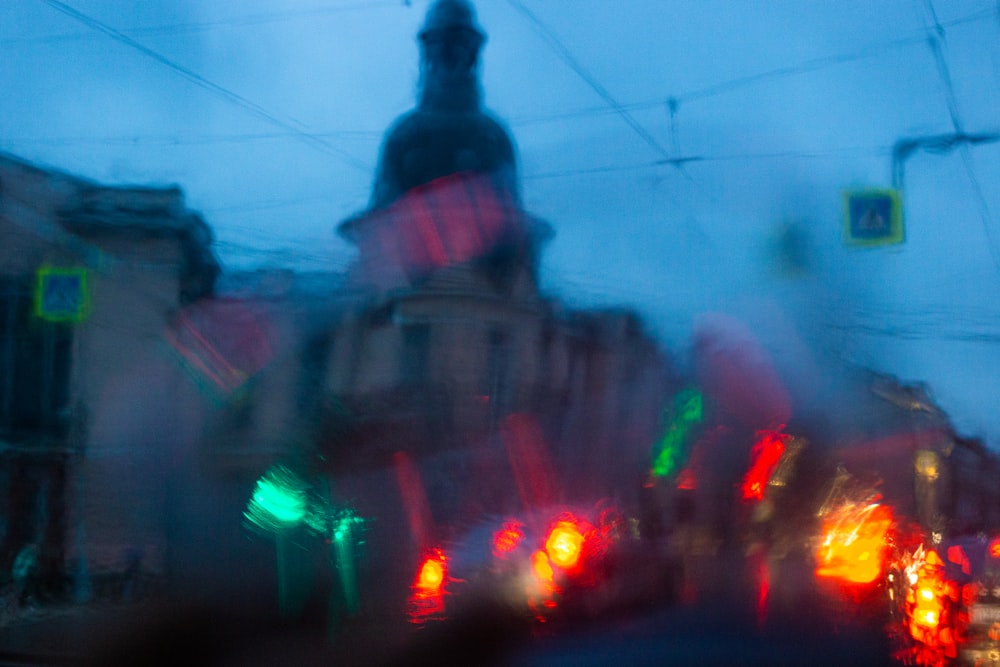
x: 487, y: 209
x: 764, y: 458
x: 529, y: 461
x: 459, y: 234
x: 956, y: 554
x: 763, y: 588
x: 706, y: 448
x: 425, y: 225
x: 686, y: 480
x: 414, y: 495
x: 449, y: 220
x: 479, y: 234
x: 507, y: 538
x: 224, y: 339
x: 611, y: 526
x: 209, y: 349
x: 192, y: 358
x: 423, y: 608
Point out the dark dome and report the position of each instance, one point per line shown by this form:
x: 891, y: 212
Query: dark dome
x: 425, y: 145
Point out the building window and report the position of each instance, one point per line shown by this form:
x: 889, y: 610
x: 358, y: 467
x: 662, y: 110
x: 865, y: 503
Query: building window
x: 497, y: 370
x: 415, y: 360
x: 34, y: 366
x: 315, y: 362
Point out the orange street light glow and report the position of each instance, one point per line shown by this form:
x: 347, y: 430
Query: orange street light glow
x: 854, y: 543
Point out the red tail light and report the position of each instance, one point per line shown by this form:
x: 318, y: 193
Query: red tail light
x: 564, y: 544
x: 426, y: 601
x: 927, y: 608
x: 995, y: 548
x: 930, y: 622
x: 432, y: 573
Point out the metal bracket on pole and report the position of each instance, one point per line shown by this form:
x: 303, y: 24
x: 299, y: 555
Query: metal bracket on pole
x: 905, y: 147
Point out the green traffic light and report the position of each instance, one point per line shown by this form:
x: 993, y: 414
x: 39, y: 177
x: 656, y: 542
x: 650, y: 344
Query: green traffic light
x: 689, y: 408
x: 278, y: 501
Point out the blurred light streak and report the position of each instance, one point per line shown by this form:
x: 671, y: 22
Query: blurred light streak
x: 343, y: 549
x: 927, y: 608
x: 224, y: 340
x: 762, y: 572
x: 529, y: 461
x: 854, y: 542
x: 543, y: 588
x: 764, y: 459
x: 414, y: 496
x: 278, y: 501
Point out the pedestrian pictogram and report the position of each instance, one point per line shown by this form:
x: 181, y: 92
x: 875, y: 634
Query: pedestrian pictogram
x: 873, y: 217
x: 61, y: 294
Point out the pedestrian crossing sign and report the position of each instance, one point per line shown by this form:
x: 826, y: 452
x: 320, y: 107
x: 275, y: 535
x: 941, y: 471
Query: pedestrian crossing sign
x: 61, y: 294
x: 873, y: 217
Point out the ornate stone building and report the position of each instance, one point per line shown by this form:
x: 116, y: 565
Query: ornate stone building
x: 437, y: 345
x: 452, y: 336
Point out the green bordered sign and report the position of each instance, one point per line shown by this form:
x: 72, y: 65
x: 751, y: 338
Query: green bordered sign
x: 61, y: 294
x: 873, y: 217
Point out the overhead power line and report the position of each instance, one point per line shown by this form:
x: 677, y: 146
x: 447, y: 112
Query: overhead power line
x: 204, y: 26
x: 212, y: 87
x: 732, y: 157
x: 730, y: 85
x: 719, y: 88
x: 189, y: 140
x: 566, y: 56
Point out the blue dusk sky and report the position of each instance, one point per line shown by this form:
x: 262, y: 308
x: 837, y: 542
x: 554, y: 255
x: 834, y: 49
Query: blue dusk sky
x: 690, y: 155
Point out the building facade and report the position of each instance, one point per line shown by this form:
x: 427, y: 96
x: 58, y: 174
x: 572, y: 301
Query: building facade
x: 452, y: 342
x: 90, y: 278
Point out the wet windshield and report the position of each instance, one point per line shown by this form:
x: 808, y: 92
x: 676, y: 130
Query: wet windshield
x: 512, y: 331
